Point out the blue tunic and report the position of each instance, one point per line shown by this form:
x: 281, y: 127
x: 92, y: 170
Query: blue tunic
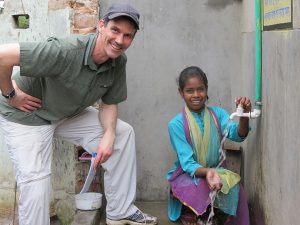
x: 185, y: 153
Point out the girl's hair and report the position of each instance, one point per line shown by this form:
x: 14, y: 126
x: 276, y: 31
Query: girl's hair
x: 189, y: 72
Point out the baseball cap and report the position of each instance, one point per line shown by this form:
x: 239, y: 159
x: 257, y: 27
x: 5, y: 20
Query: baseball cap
x: 122, y: 9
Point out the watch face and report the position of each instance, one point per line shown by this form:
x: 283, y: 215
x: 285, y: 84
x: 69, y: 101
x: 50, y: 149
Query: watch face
x: 10, y: 94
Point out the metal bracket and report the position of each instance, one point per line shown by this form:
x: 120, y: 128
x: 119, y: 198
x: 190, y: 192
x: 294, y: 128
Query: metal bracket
x: 1, y: 6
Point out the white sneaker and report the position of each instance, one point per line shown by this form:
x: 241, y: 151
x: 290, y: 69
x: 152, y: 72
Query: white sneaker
x: 138, y: 218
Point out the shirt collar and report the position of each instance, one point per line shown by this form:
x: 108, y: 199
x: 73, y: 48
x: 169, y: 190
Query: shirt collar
x: 88, y: 59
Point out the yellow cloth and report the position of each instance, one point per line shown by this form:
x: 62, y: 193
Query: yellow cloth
x: 200, y: 144
x: 228, y: 178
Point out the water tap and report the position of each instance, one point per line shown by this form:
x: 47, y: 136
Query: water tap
x: 240, y: 113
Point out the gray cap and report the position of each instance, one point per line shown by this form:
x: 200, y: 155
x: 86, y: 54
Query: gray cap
x: 123, y: 9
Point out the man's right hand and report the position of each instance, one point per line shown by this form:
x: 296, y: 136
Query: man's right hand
x: 23, y: 101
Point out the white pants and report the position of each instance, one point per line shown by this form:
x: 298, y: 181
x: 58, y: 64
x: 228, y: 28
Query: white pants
x: 30, y: 148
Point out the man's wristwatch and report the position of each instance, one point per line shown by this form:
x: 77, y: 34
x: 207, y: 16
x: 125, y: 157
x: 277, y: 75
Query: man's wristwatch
x: 10, y: 94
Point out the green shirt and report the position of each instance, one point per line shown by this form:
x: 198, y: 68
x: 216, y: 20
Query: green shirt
x: 62, y: 73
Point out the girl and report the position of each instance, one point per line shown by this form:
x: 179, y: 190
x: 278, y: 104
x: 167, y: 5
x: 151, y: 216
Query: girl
x: 195, y: 135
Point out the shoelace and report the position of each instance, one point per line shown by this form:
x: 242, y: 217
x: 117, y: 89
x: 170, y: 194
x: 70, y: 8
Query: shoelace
x: 144, y: 217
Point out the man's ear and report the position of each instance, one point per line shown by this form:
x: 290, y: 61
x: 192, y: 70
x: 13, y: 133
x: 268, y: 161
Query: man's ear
x: 101, y: 24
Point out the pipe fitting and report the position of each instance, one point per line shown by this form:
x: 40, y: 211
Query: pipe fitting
x: 240, y: 113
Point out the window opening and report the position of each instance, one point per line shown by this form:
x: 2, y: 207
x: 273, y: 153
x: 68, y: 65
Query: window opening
x: 21, y: 20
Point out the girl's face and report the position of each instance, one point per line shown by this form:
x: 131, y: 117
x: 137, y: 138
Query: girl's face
x: 194, y: 94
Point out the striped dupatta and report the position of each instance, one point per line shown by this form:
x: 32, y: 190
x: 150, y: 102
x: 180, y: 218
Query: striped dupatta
x: 200, y: 144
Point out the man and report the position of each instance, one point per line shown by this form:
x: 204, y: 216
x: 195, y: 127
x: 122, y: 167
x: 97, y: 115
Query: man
x: 50, y: 97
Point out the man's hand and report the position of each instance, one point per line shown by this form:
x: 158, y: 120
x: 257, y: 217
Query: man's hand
x: 23, y: 101
x: 105, y: 149
x: 108, y: 119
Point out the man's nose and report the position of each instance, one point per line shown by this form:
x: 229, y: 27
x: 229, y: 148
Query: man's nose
x: 120, y: 39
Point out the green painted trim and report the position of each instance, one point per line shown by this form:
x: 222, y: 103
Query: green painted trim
x: 258, y: 47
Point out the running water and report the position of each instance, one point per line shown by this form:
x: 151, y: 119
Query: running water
x: 213, y: 194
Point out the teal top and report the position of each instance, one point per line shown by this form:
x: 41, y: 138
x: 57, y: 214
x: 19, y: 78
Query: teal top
x: 62, y: 73
x: 186, y: 157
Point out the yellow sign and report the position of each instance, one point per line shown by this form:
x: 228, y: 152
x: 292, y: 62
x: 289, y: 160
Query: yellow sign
x: 277, y: 12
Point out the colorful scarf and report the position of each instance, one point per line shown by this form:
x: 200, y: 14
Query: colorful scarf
x: 200, y: 145
x: 199, y: 142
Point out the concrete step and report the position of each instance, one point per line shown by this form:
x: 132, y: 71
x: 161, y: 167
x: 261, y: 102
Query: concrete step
x: 92, y: 217
x: 97, y: 217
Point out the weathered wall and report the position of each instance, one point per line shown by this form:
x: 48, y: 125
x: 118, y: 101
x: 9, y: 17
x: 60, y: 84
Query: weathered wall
x: 38, y: 30
x: 59, y: 18
x: 281, y: 156
x: 219, y: 37
x: 272, y: 156
x: 175, y: 34
x: 84, y: 14
x: 168, y: 41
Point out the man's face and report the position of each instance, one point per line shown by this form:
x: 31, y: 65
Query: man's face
x: 116, y: 36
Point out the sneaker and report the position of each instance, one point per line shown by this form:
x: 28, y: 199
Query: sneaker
x: 138, y: 218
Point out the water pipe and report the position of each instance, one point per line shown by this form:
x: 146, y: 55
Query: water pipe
x: 240, y: 113
x: 258, y: 60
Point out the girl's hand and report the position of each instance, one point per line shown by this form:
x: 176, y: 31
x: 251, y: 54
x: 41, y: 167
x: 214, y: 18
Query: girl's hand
x: 213, y: 180
x: 245, y: 102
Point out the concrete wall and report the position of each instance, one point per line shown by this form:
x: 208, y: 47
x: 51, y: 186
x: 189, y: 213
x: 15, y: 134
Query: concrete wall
x: 59, y: 18
x: 281, y: 157
x: 169, y: 40
x: 272, y: 155
x: 218, y: 37
x: 175, y: 34
x: 38, y: 30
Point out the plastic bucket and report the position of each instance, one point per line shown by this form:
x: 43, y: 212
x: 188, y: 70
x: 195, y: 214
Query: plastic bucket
x: 88, y: 201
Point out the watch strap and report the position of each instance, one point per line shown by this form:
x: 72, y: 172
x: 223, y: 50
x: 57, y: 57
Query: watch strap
x: 10, y: 94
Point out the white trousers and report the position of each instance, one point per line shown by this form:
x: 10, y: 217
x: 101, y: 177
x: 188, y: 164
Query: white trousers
x: 30, y: 148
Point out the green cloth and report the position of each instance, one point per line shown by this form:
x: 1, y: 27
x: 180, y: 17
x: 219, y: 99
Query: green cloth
x: 62, y: 73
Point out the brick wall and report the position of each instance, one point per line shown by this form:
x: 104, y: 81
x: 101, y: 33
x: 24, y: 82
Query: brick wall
x: 84, y: 14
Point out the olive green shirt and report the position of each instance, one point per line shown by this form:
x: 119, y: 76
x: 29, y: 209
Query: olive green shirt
x: 62, y: 73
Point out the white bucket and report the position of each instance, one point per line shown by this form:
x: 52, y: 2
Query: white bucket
x: 88, y: 201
